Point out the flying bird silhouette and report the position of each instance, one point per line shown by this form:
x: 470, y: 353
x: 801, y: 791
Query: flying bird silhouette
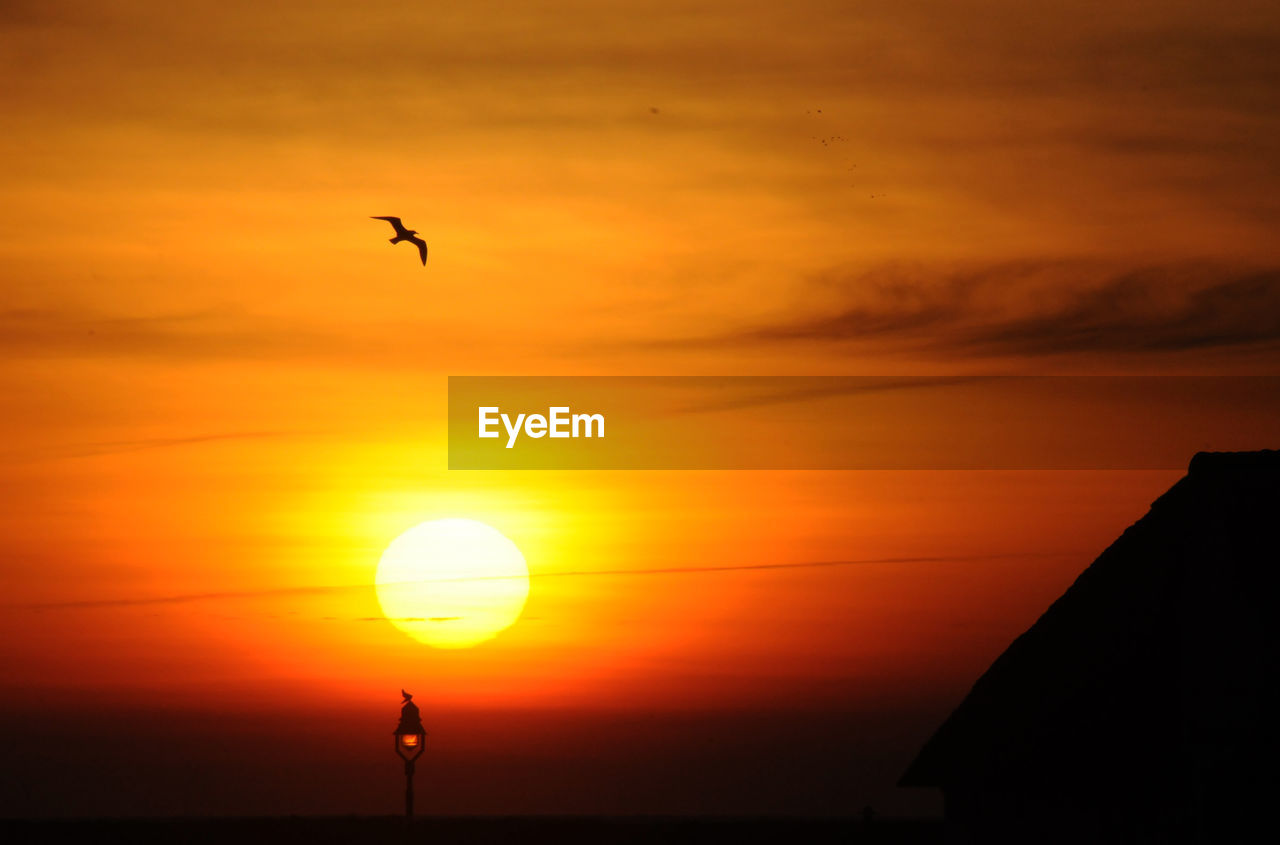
x: 403, y: 234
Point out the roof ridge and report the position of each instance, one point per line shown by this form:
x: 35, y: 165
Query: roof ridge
x: 1217, y: 461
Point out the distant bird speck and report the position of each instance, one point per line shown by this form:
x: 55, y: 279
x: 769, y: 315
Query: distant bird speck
x: 653, y: 109
x: 403, y: 234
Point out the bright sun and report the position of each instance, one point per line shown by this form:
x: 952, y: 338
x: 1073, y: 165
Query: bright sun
x: 452, y: 583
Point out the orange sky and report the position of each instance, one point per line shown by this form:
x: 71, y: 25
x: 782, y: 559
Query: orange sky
x: 224, y: 393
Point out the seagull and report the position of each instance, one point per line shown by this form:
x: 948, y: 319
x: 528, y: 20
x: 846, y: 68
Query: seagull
x: 403, y: 234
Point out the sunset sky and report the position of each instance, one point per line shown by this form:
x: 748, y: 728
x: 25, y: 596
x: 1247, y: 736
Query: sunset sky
x: 224, y: 392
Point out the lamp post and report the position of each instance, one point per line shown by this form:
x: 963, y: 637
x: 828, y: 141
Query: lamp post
x: 411, y: 738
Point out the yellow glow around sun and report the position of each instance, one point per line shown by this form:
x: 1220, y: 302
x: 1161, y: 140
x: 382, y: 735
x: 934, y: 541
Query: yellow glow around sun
x: 452, y: 583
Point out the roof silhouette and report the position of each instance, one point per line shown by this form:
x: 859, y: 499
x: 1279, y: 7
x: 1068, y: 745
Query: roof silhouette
x: 1156, y: 672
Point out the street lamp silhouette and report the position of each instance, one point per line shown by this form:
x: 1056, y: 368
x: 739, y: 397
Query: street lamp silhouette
x: 411, y: 739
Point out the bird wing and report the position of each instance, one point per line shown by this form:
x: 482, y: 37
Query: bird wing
x: 422, y: 248
x: 396, y: 224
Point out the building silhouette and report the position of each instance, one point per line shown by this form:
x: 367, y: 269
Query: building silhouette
x: 1144, y: 705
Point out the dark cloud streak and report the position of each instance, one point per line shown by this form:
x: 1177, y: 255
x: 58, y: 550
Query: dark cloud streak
x: 826, y: 388
x: 672, y: 570
x: 1042, y: 308
x: 206, y: 334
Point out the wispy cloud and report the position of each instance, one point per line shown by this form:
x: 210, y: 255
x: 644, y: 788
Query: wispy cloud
x: 576, y: 573
x: 1039, y: 308
x: 820, y: 389
x: 404, y: 618
x: 81, y: 332
x: 118, y: 447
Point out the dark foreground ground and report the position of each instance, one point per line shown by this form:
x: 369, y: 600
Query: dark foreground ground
x: 476, y: 831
